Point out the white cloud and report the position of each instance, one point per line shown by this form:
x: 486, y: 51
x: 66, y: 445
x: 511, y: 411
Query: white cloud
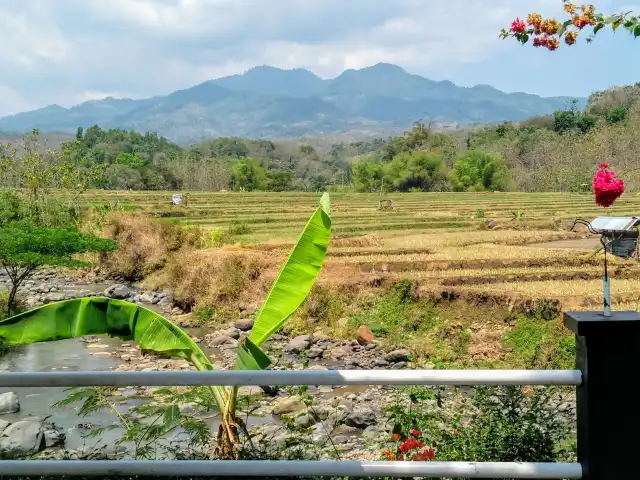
x: 69, y: 50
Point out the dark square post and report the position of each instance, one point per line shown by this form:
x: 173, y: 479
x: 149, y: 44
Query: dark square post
x: 608, y: 410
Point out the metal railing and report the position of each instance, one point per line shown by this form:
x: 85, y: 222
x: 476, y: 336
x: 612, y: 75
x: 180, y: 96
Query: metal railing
x: 293, y: 468
x: 609, y: 358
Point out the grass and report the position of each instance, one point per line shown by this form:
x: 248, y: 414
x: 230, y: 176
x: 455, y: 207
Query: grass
x: 456, y: 249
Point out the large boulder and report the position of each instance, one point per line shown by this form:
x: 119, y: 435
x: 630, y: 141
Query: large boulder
x: 361, y: 418
x: 244, y: 324
x: 9, y: 403
x: 397, y: 356
x: 288, y: 405
x: 119, y: 292
x: 54, y: 297
x: 22, y: 438
x: 365, y: 335
x: 298, y: 344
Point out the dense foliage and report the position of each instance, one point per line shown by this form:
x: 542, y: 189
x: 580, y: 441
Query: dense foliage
x: 545, y: 153
x: 494, y: 424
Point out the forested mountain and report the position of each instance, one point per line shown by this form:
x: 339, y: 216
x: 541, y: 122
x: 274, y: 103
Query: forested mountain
x: 268, y: 102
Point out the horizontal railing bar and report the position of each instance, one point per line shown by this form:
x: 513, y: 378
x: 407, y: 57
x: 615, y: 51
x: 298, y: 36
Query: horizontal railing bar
x: 270, y: 468
x: 292, y: 377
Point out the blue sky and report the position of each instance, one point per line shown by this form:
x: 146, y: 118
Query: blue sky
x: 70, y: 51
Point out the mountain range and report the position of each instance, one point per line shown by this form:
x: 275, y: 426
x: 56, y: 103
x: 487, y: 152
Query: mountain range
x: 271, y: 102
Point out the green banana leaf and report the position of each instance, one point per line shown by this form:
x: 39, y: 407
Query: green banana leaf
x: 105, y: 316
x: 297, y: 276
x: 251, y: 357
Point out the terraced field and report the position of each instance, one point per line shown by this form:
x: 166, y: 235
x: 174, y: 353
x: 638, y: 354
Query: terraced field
x: 515, y: 247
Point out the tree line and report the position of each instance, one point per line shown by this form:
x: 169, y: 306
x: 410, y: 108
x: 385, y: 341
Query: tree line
x: 547, y: 153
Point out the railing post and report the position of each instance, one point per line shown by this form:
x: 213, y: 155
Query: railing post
x: 608, y: 413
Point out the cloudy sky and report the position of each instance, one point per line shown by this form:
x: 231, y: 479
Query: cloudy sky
x: 70, y: 51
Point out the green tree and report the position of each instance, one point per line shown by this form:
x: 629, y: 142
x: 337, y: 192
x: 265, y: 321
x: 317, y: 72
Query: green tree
x: 367, y: 175
x: 130, y: 160
x: 617, y: 115
x: 477, y: 170
x: 280, y: 180
x: 248, y: 174
x: 417, y: 170
x: 24, y: 248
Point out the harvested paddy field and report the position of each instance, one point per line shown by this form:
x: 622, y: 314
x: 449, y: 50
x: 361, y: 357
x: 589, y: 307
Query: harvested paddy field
x: 512, y: 246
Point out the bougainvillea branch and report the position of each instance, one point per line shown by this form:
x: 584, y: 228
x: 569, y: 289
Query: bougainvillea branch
x: 550, y: 33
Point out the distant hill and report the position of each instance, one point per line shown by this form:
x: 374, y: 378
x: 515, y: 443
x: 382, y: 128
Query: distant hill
x: 268, y: 102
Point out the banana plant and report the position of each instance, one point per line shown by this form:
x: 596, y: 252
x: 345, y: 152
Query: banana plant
x: 154, y: 333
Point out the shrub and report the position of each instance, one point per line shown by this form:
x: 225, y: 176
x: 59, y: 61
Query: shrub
x: 497, y: 424
x: 238, y: 227
x: 145, y: 244
x: 219, y: 238
x: 477, y: 171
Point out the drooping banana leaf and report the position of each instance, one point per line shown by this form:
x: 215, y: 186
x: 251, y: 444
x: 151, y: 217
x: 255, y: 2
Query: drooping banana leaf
x: 105, y: 316
x: 297, y: 276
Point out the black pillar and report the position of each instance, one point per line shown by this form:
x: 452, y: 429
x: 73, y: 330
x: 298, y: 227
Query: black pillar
x: 608, y: 409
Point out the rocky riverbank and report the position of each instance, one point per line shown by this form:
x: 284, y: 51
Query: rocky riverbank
x: 327, y: 422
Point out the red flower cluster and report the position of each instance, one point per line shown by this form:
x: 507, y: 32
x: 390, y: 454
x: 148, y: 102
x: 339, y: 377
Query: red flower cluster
x: 606, y: 186
x: 410, y: 449
x: 518, y: 26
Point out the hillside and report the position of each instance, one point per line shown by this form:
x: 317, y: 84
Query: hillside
x: 267, y: 102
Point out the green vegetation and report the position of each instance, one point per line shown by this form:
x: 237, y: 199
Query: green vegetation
x: 496, y: 424
x: 154, y: 333
x: 24, y: 248
x: 556, y: 152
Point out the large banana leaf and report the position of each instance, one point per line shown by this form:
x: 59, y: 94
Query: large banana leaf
x: 100, y: 316
x: 297, y: 276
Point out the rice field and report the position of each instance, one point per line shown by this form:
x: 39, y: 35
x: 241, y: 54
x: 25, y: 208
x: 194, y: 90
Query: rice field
x: 505, y: 245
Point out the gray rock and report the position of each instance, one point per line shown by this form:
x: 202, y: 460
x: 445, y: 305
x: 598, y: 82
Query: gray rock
x: 381, y: 362
x: 119, y: 292
x: 166, y: 302
x: 298, y: 344
x: 54, y: 297
x: 338, y: 353
x: 398, y: 366
x: 305, y: 420
x: 338, y: 416
x: 22, y: 438
x: 231, y: 332
x: 251, y: 309
x: 3, y: 424
x: 288, y: 405
x: 244, y: 324
x: 53, y: 438
x: 361, y: 418
x: 220, y: 340
x: 371, y: 433
x: 146, y: 298
x: 9, y: 403
x: 315, y: 352
x: 397, y: 356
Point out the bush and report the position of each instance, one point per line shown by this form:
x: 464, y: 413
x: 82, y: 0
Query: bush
x: 219, y: 238
x: 238, y: 227
x: 497, y: 424
x: 145, y: 244
x: 478, y: 171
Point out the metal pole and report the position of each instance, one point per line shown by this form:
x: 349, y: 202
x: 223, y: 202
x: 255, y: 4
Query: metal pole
x: 292, y: 377
x: 607, y: 355
x: 290, y: 468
